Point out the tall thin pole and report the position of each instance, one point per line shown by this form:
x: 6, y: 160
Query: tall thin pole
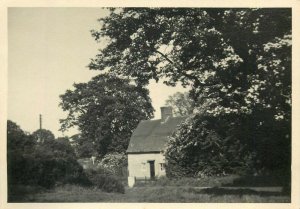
x: 40, y: 121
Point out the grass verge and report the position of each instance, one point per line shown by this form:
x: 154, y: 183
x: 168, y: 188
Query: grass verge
x: 154, y: 194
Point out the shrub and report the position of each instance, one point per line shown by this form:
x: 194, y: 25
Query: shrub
x: 200, y: 147
x: 108, y: 183
x: 105, y: 181
x: 114, y: 163
x: 216, y: 146
x: 54, y: 162
x: 45, y: 163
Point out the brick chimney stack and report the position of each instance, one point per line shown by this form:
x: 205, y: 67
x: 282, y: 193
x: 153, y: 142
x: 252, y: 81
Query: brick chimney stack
x: 166, y: 112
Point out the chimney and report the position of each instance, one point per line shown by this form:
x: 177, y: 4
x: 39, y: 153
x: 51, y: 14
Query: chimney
x: 166, y: 112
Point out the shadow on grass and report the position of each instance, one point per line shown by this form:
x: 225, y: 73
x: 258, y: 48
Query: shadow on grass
x: 239, y: 192
x: 257, y: 181
x: 18, y: 193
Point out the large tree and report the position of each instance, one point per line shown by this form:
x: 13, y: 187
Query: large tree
x: 236, y: 61
x: 84, y: 147
x: 106, y: 110
x: 221, y: 53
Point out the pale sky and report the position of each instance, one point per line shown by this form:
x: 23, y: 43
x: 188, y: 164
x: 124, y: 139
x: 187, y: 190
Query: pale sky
x: 48, y: 51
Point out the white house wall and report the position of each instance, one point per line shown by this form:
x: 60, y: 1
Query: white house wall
x: 139, y: 167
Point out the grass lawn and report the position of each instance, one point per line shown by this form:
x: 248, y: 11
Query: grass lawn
x: 163, y: 191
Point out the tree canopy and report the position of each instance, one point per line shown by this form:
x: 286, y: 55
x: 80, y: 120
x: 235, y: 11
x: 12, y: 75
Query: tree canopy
x: 220, y: 53
x: 42, y: 135
x: 106, y: 110
x: 84, y: 147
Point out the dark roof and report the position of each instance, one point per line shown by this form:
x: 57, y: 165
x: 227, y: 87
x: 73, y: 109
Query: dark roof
x: 152, y: 135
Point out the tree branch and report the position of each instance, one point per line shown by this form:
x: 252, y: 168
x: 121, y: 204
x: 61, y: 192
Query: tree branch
x: 192, y: 77
x: 197, y: 82
x: 165, y: 56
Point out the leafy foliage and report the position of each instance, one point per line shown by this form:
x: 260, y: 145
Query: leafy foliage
x: 44, y: 164
x: 219, y: 56
x: 106, y: 110
x: 19, y: 146
x: 84, y: 147
x: 206, y: 146
x: 202, y: 147
x: 105, y: 181
x: 42, y: 135
x: 114, y: 163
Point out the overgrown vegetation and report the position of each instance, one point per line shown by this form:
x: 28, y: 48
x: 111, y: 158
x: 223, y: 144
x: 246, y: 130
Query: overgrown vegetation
x: 214, y: 145
x: 37, y: 163
x: 114, y: 163
x: 210, y: 146
x: 104, y: 180
x: 108, y: 173
x: 47, y: 163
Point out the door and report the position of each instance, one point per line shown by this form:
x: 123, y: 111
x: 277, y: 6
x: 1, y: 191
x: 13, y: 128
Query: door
x: 152, y: 169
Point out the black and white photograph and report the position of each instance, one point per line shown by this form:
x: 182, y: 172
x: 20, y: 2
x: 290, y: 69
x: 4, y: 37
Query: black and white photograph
x: 149, y: 105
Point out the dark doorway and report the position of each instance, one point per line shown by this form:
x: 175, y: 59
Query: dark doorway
x: 152, y: 169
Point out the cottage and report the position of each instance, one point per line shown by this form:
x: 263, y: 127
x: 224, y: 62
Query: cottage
x: 145, y: 150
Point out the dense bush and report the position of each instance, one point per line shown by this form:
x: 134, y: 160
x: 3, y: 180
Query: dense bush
x: 105, y: 181
x: 20, y: 146
x: 114, y: 163
x: 200, y: 147
x: 210, y: 146
x: 44, y: 163
x: 53, y: 162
